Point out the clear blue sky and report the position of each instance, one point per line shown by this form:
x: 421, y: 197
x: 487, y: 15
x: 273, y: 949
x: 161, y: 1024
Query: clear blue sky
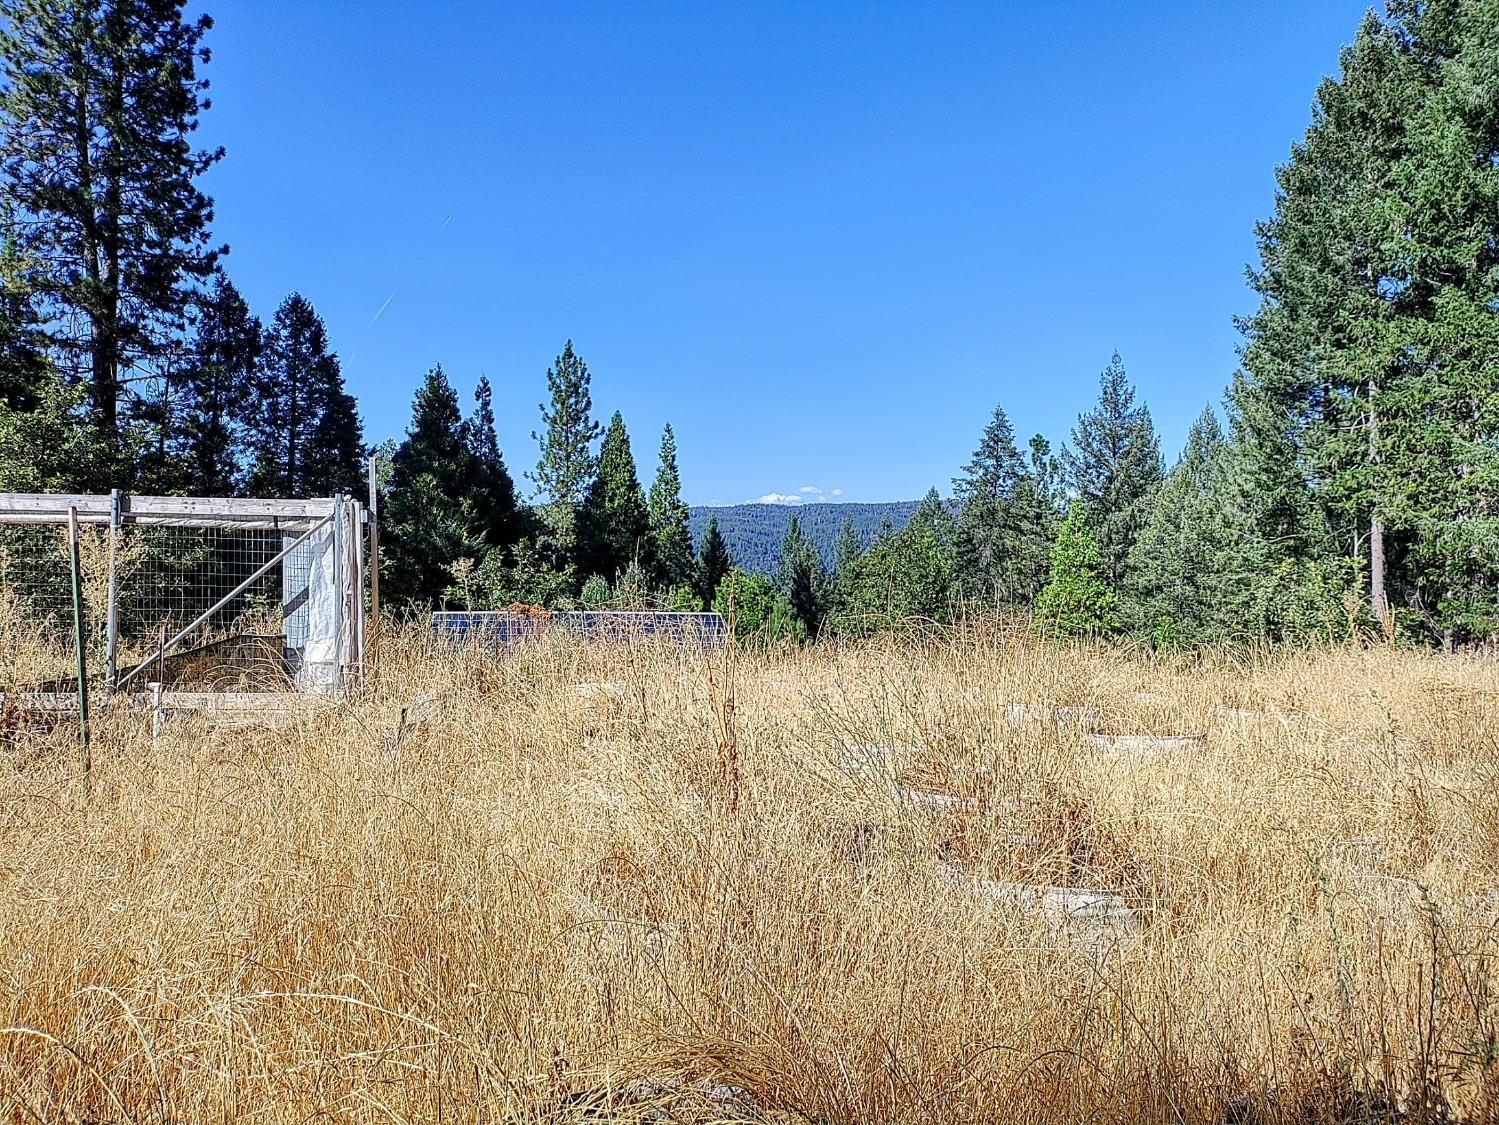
x: 821, y: 239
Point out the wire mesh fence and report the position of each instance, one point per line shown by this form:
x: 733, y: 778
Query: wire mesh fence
x: 195, y: 602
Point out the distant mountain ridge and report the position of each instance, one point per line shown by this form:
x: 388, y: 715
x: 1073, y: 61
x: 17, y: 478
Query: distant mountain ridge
x: 754, y: 531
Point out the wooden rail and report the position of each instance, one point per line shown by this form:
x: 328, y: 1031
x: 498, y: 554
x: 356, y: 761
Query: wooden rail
x: 170, y: 511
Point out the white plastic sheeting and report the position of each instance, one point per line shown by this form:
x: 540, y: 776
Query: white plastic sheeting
x: 311, y: 604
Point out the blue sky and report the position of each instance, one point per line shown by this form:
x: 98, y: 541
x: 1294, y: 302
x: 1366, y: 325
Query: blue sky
x: 821, y: 239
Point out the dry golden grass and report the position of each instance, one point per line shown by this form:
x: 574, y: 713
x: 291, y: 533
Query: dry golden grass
x: 702, y: 890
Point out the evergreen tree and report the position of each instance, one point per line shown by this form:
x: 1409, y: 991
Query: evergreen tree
x: 303, y: 426
x: 25, y: 373
x: 1077, y: 601
x: 493, y: 489
x: 430, y: 520
x: 567, y: 464
x: 1002, y: 532
x: 219, y: 381
x: 1114, y: 467
x: 97, y: 182
x: 1191, y: 576
x: 909, y: 575
x: 613, y: 523
x: 713, y: 562
x: 671, y: 542
x: 803, y: 579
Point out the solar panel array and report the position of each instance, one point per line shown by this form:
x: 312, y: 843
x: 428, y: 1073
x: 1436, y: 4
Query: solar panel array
x: 503, y: 629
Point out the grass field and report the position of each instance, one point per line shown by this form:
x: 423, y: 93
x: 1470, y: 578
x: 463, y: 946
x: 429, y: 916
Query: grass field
x: 636, y: 884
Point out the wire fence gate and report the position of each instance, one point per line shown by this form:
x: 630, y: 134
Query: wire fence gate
x: 195, y: 594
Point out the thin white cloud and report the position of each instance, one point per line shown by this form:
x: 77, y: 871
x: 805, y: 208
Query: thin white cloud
x: 810, y: 490
x: 775, y: 498
x: 836, y: 492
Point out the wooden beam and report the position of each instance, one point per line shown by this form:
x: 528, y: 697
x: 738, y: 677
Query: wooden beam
x: 174, y: 511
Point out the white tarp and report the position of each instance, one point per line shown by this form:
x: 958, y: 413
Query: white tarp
x: 310, y: 608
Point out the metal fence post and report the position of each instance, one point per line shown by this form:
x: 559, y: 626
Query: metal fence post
x: 88, y: 763
x: 112, y: 610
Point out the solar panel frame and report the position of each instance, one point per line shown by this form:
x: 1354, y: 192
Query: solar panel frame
x: 504, y: 629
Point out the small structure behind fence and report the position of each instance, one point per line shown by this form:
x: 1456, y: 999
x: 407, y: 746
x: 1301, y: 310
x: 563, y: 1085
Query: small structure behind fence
x: 191, y: 593
x: 504, y: 628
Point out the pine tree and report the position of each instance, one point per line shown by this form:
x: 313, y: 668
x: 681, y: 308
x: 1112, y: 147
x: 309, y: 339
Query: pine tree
x: 431, y: 522
x: 493, y: 489
x: 220, y: 380
x: 303, y: 425
x: 567, y: 464
x: 613, y: 522
x: 97, y: 182
x: 671, y: 542
x: 848, y: 548
x: 26, y: 375
x: 1191, y: 575
x: 1114, y: 467
x: 803, y: 579
x: 1077, y: 601
x: 1002, y: 527
x: 713, y: 562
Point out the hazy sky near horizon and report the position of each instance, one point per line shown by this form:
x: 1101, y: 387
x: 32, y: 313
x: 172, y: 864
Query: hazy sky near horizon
x: 821, y: 239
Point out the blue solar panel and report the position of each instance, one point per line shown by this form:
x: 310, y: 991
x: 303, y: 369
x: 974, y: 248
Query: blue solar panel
x: 503, y: 629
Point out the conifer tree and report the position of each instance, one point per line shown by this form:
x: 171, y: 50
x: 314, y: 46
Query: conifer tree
x: 430, y: 518
x: 803, y: 579
x: 97, y: 183
x: 303, y: 426
x: 1364, y: 383
x: 493, y: 490
x: 1114, y: 467
x: 566, y: 466
x: 1191, y: 578
x: 1002, y: 536
x: 713, y: 562
x: 613, y: 522
x: 1077, y: 601
x: 671, y: 542
x: 220, y: 380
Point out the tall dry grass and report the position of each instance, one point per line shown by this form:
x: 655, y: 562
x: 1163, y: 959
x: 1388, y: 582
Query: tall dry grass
x: 702, y: 890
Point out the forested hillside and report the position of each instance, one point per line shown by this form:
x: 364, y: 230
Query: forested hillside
x: 754, y: 532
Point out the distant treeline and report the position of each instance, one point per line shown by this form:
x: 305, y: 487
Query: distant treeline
x: 1350, y: 482
x: 754, y: 532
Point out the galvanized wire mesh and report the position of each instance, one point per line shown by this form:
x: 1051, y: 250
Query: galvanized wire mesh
x: 167, y: 577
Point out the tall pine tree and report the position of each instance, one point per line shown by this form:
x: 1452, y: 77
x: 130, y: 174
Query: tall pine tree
x: 98, y: 184
x: 803, y: 579
x: 493, y: 490
x: 1002, y: 533
x: 1191, y: 574
x: 671, y: 542
x: 431, y: 521
x: 566, y: 466
x: 303, y: 426
x: 613, y: 523
x: 713, y: 562
x: 220, y: 381
x: 1114, y: 468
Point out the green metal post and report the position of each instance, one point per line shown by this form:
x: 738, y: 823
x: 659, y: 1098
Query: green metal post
x: 78, y: 641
